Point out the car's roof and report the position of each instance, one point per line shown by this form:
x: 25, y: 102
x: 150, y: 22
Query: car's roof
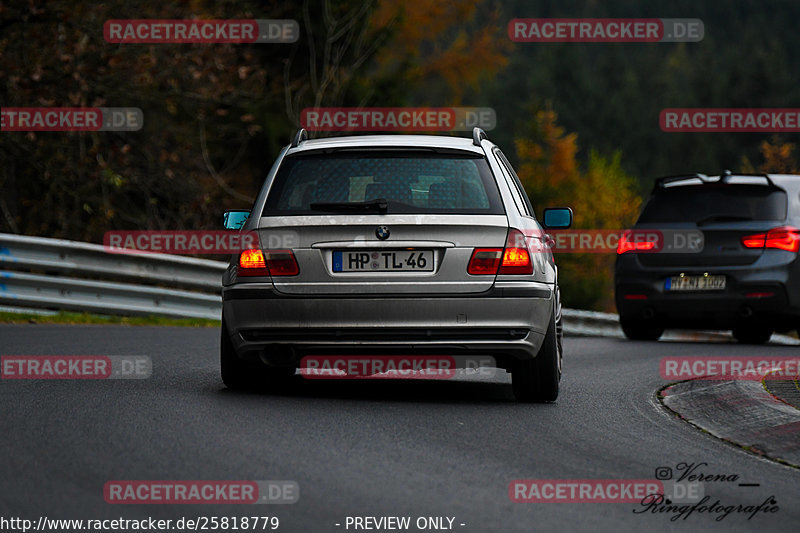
x: 388, y: 141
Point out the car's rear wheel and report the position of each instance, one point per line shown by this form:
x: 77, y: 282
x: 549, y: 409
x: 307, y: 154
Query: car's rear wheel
x: 240, y: 374
x: 753, y: 333
x: 536, y: 380
x: 640, y: 330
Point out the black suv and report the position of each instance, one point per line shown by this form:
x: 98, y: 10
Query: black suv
x: 742, y: 275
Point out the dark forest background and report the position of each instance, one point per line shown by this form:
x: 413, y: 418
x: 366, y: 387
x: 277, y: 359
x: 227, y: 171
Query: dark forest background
x: 579, y: 121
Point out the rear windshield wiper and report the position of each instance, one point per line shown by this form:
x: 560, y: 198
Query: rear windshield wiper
x: 723, y: 218
x: 379, y: 205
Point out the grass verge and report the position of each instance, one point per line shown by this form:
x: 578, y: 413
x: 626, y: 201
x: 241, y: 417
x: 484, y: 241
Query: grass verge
x: 64, y: 317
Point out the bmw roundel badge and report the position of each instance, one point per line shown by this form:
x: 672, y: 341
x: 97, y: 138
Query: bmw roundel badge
x: 382, y: 233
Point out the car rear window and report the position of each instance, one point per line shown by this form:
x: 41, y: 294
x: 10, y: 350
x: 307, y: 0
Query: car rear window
x: 411, y: 182
x: 715, y: 203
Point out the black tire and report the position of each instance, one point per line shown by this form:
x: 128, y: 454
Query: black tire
x: 753, y: 333
x: 536, y: 380
x: 640, y: 330
x: 239, y: 374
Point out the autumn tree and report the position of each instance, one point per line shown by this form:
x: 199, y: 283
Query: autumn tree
x: 215, y: 115
x: 779, y: 157
x: 601, y: 195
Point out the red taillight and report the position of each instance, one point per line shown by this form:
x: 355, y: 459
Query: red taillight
x: 251, y: 263
x: 635, y: 297
x: 782, y: 238
x: 633, y: 242
x: 516, y: 257
x: 254, y: 262
x: 513, y: 259
x: 484, y: 261
x: 281, y: 263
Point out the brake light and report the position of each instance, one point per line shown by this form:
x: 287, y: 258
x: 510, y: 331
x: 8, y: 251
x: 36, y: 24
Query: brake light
x: 254, y: 262
x: 516, y: 257
x: 513, y: 259
x: 754, y: 241
x: 634, y: 242
x: 781, y: 238
x: 251, y: 263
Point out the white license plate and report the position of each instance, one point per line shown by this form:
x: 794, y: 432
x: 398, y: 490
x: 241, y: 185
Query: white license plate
x: 383, y: 261
x: 695, y: 283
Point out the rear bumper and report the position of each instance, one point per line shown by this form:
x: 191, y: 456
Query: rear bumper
x: 751, y: 293
x: 507, y: 323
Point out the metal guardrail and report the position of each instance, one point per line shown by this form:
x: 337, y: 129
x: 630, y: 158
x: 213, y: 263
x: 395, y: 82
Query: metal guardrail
x: 151, y: 284
x: 56, y: 255
x: 35, y: 272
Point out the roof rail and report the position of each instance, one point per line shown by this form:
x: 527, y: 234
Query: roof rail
x: 478, y: 135
x: 300, y: 136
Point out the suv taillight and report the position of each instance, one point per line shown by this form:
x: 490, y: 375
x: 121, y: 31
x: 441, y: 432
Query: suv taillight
x: 783, y: 238
x: 254, y: 262
x: 513, y: 259
x: 631, y: 241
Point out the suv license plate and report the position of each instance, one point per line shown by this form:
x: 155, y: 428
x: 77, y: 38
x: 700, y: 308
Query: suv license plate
x: 383, y: 261
x: 695, y: 283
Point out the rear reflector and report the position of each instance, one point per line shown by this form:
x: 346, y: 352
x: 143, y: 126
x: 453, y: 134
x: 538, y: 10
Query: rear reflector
x: 759, y: 294
x: 782, y: 238
x: 635, y: 297
x: 254, y: 262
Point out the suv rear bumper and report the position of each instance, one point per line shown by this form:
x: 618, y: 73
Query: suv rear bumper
x: 507, y: 323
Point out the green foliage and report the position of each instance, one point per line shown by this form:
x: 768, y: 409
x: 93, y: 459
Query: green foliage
x: 601, y: 195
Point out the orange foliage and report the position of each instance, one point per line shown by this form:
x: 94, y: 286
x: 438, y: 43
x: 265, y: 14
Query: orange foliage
x: 602, y: 196
x: 778, y: 157
x: 429, y: 37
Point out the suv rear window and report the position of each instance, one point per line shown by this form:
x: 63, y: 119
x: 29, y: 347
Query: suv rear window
x: 715, y: 203
x: 411, y: 182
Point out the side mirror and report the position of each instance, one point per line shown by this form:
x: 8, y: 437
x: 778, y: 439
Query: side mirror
x: 235, y: 218
x: 557, y: 217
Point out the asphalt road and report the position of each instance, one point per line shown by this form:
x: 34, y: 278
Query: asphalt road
x: 377, y: 448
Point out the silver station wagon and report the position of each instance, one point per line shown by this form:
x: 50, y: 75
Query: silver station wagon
x: 393, y: 245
